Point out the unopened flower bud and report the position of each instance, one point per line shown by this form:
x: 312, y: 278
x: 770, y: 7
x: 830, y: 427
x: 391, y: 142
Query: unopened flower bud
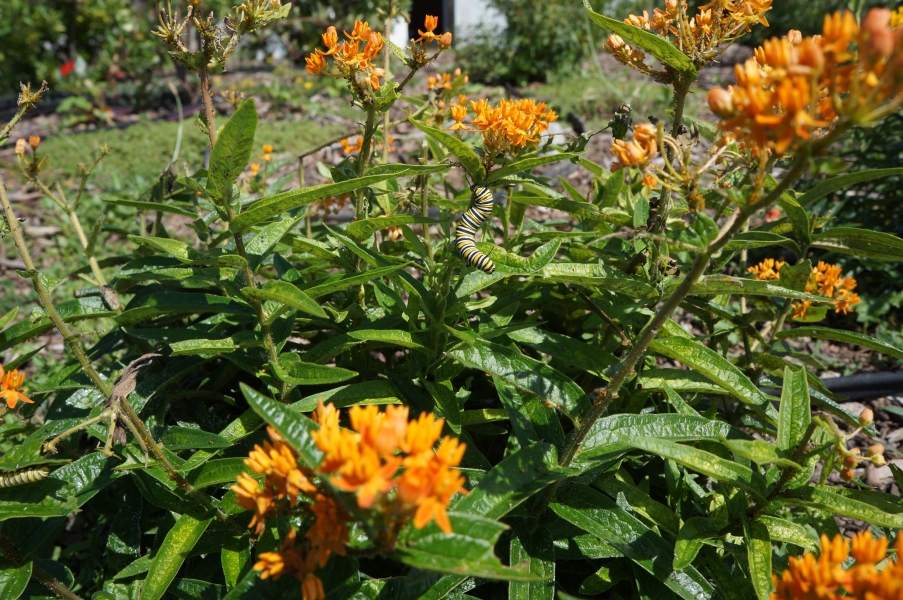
x: 721, y: 102
x: 20, y: 146
x: 875, y: 450
x: 445, y: 40
x: 877, y: 36
x: 847, y: 475
x: 615, y: 42
x: 794, y: 36
x: 866, y: 417
x: 878, y: 460
x: 852, y: 459
x: 34, y: 141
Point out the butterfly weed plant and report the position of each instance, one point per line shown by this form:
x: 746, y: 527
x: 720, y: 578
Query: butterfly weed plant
x: 268, y: 405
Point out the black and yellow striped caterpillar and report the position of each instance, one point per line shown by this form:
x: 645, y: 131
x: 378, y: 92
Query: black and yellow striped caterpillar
x: 23, y: 476
x: 479, y: 211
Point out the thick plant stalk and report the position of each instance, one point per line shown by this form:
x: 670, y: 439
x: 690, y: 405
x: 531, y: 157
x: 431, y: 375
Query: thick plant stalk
x: 731, y: 227
x: 50, y: 582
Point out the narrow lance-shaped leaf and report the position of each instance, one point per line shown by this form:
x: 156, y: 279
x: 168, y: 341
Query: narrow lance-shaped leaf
x: 657, y: 46
x: 837, y: 335
x: 232, y: 151
x: 172, y: 553
x: 465, y: 154
x: 758, y: 552
x: 795, y: 413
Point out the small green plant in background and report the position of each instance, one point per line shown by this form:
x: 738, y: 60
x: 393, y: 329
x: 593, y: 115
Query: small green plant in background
x: 508, y: 428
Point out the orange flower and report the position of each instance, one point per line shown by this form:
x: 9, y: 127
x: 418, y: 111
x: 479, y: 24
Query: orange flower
x: 329, y: 533
x: 34, y: 141
x: 349, y: 148
x: 255, y: 168
x: 458, y: 113
x: 825, y: 578
x: 251, y: 497
x: 9, y: 388
x: 429, y: 23
x: 637, y: 152
x: 439, y: 82
x: 767, y: 270
x: 316, y: 64
x: 511, y: 125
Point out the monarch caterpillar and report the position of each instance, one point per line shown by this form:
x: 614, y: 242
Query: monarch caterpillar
x: 23, y: 476
x: 479, y: 211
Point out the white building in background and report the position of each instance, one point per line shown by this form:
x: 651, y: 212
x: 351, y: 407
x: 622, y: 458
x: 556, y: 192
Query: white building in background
x: 458, y: 16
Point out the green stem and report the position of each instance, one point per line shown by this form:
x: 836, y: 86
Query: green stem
x: 424, y: 205
x: 70, y: 340
x: 360, y: 210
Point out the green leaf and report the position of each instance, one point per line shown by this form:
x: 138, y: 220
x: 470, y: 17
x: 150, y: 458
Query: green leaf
x: 171, y: 303
x: 399, y: 169
x: 835, y: 183
x: 531, y: 420
x: 749, y: 240
x: 760, y: 452
x: 798, y: 219
x: 232, y: 151
x: 8, y: 317
x: 535, y: 551
x: 217, y: 472
x: 512, y: 481
x: 263, y: 243
x: 566, y: 349
x: 164, y: 207
x: 292, y: 370
x: 195, y: 589
x: 690, y: 540
x: 251, y: 587
x: 203, y: 347
x: 640, y: 502
x: 236, y: 561
x: 714, y: 366
x: 468, y: 550
x: 827, y: 499
x: 542, y: 256
x: 594, y: 513
x: 598, y: 276
x: 860, y: 242
x: 287, y: 294
x: 611, y: 435
x: 526, y: 374
x: 582, y: 210
x: 468, y: 158
x: 528, y: 164
x: 183, y: 438
x: 188, y: 255
x: 703, y: 462
x: 796, y: 277
x: 385, y: 336
x: 363, y: 229
x: 71, y: 311
x: 795, y: 413
x: 444, y: 395
x: 758, y: 552
x: 377, y: 391
x: 263, y: 209
x: 782, y: 530
x: 337, y: 283
x: 13, y: 579
x: 172, y: 553
x: 657, y: 46
x: 291, y: 425
x: 837, y: 335
x: 722, y: 284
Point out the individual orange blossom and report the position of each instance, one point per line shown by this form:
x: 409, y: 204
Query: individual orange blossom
x: 267, y: 152
x: 255, y: 168
x: 250, y: 496
x: 34, y: 141
x: 429, y: 23
x: 351, y: 148
x: 767, y: 270
x: 458, y: 113
x: 637, y: 152
x: 316, y: 64
x: 9, y: 388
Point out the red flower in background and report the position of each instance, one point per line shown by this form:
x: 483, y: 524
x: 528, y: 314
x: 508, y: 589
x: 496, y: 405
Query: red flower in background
x: 67, y: 68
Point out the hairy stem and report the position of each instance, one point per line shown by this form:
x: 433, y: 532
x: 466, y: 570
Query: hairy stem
x: 360, y: 210
x: 52, y: 584
x: 209, y: 113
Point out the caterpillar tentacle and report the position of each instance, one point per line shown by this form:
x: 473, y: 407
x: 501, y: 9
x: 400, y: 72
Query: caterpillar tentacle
x: 480, y: 210
x: 23, y: 476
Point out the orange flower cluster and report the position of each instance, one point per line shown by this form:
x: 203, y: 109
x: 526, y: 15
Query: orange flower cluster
x: 439, y: 82
x: 353, y: 62
x: 509, y: 126
x: 366, y: 461
x: 826, y: 280
x: 10, y: 382
x: 429, y: 36
x: 284, y: 482
x: 824, y: 578
x: 767, y: 270
x: 331, y: 205
x: 794, y: 85
x: 637, y: 152
x: 267, y: 152
x: 698, y: 37
x: 349, y: 147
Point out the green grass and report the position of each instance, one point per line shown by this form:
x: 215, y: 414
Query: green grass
x: 141, y: 151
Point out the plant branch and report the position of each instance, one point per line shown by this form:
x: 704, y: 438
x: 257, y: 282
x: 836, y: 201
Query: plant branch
x: 52, y: 584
